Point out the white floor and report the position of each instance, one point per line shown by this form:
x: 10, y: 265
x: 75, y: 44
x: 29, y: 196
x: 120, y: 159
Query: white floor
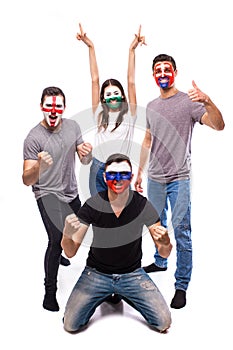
x: 204, y: 322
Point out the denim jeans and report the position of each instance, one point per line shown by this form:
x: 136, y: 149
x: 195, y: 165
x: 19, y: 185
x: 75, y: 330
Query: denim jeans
x: 136, y: 288
x: 53, y: 213
x: 178, y: 195
x: 96, y: 180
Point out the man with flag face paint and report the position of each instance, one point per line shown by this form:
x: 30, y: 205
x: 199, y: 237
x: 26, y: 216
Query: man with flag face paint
x: 49, y: 167
x: 118, y: 176
x: 170, y: 119
x: 113, y: 269
x: 53, y: 108
x: 164, y: 74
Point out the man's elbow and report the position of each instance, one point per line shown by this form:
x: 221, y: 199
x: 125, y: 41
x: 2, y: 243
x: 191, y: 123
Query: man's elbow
x: 69, y: 255
x: 68, y: 252
x: 221, y: 126
x: 25, y: 181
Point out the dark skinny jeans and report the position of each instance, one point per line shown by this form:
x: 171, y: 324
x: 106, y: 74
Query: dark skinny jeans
x: 53, y: 213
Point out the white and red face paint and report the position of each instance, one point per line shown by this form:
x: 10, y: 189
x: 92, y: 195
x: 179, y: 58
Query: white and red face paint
x: 164, y: 74
x: 118, y: 176
x: 53, y: 108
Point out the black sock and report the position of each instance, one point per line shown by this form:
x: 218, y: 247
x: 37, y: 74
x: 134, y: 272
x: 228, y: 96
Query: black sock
x: 64, y: 261
x: 179, y: 299
x: 154, y: 268
x: 50, y: 302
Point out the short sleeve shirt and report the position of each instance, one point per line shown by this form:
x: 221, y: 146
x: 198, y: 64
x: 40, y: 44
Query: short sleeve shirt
x: 116, y: 245
x: 60, y: 178
x: 171, y: 123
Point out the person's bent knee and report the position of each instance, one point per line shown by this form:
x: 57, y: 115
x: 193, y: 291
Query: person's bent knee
x: 70, y: 326
x: 164, y: 323
x: 164, y: 327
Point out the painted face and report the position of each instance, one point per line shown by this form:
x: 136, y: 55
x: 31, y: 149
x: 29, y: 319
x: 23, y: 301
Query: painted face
x: 118, y: 176
x: 113, y: 96
x: 53, y: 108
x: 164, y: 74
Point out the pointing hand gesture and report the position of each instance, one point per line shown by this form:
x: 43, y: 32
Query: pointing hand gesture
x: 83, y: 37
x: 138, y: 39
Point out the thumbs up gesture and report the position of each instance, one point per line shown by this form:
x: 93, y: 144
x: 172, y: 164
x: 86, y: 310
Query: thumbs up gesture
x: 196, y: 95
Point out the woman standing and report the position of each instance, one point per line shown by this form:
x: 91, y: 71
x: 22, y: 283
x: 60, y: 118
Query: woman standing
x: 114, y: 114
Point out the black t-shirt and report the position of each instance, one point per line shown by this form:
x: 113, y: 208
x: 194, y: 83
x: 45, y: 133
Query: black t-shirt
x: 116, y: 245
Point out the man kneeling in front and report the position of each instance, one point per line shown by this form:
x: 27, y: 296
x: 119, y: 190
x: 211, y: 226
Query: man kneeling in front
x: 113, y: 269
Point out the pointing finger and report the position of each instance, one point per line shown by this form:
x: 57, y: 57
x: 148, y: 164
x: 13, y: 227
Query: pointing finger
x: 139, y: 31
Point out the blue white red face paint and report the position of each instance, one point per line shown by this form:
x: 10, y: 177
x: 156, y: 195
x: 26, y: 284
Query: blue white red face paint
x: 53, y: 108
x: 118, y: 176
x: 164, y: 74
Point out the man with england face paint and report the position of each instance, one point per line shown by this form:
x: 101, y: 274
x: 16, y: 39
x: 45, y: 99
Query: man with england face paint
x: 113, y: 271
x: 53, y: 108
x: 50, y: 150
x: 170, y: 119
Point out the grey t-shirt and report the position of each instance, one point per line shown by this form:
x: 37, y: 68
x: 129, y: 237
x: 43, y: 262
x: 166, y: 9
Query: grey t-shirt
x: 60, y: 178
x: 171, y: 123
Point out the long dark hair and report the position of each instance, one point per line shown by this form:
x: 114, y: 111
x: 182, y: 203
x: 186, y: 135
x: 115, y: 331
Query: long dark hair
x: 104, y: 114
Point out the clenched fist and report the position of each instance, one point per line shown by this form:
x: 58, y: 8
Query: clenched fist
x: 72, y: 224
x: 45, y: 160
x: 160, y: 234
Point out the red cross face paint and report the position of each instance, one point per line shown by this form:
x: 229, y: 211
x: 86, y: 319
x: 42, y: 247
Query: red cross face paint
x: 164, y: 74
x: 53, y: 108
x: 118, y: 176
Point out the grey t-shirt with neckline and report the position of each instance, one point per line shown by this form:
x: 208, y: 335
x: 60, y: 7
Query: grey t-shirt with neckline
x: 60, y: 178
x: 171, y: 121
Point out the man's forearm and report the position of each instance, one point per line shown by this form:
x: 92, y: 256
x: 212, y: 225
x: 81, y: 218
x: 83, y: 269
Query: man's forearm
x: 69, y: 246
x: 144, y: 155
x: 31, y: 176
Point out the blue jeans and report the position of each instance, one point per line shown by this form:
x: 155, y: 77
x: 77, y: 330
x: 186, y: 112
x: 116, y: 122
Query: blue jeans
x: 136, y: 288
x: 178, y: 195
x: 96, y: 180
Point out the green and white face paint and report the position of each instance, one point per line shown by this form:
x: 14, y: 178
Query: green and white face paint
x: 113, y: 97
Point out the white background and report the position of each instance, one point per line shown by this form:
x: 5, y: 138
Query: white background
x: 38, y: 49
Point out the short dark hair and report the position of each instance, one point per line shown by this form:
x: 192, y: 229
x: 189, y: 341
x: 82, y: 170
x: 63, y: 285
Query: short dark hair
x: 117, y: 157
x: 164, y: 57
x: 52, y: 91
